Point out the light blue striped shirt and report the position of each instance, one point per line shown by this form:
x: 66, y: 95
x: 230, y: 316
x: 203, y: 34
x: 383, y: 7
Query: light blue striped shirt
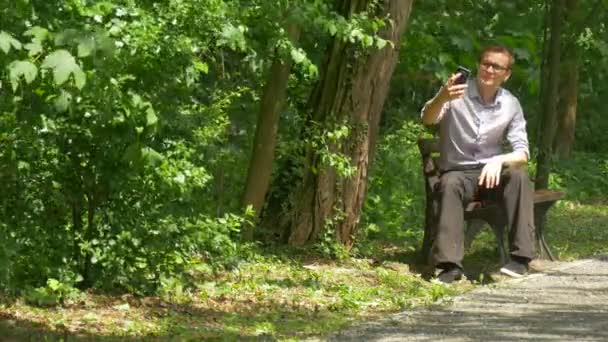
x: 472, y: 132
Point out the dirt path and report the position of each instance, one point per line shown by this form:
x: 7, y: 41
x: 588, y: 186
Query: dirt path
x: 567, y: 302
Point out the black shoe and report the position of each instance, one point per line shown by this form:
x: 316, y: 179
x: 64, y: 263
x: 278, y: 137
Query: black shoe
x: 515, y: 268
x: 450, y: 275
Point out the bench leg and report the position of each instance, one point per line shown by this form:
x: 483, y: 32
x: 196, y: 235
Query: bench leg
x: 427, y: 243
x: 540, y: 217
x: 430, y: 230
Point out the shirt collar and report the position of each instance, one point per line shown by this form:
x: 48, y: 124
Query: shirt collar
x: 473, y: 93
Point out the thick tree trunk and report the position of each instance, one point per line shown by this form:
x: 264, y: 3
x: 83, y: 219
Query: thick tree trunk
x: 550, y: 97
x: 564, y: 138
x: 262, y: 158
x: 352, y: 91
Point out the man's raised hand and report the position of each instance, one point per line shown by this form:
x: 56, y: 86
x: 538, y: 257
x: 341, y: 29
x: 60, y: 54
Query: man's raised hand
x: 451, y: 91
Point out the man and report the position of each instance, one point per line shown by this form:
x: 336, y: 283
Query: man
x: 474, y: 119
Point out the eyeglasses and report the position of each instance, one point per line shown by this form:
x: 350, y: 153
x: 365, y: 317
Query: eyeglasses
x: 496, y: 67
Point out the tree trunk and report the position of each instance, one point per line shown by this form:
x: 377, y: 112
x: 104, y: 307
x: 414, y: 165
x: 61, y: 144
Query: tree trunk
x: 564, y: 138
x: 262, y: 157
x: 549, y: 97
x: 351, y: 91
x: 89, y: 235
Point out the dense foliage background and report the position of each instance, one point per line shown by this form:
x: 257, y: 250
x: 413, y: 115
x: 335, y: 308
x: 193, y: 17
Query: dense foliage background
x: 126, y: 127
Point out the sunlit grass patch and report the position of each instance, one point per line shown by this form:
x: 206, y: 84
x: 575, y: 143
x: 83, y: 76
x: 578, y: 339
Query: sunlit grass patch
x: 576, y: 230
x: 266, y: 298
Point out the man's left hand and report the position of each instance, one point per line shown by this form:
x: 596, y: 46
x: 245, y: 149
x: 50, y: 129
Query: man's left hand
x: 490, y: 174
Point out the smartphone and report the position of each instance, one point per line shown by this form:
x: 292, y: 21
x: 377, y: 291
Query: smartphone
x: 464, y: 75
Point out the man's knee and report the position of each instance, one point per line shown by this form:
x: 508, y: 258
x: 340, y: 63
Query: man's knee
x: 517, y: 175
x: 451, y: 182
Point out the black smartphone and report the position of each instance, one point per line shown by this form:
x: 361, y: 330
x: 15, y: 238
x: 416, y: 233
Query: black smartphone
x: 464, y: 75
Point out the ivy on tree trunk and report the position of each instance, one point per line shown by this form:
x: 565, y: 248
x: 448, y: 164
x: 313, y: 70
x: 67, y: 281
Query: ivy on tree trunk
x: 352, y: 91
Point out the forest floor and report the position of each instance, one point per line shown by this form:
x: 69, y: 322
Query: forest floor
x: 563, y: 301
x: 282, y: 295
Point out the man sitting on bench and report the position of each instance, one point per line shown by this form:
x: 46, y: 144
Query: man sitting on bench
x: 474, y: 117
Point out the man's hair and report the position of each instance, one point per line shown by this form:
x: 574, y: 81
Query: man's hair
x: 498, y: 49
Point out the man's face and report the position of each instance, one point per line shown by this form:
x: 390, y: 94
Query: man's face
x: 493, y: 69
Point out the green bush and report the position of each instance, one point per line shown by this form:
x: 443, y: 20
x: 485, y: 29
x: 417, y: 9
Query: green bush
x: 394, y: 208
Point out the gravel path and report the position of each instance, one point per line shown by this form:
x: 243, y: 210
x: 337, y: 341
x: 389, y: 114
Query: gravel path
x: 568, y: 301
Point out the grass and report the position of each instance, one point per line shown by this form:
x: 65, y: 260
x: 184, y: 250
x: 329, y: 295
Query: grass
x: 576, y: 230
x: 274, y: 298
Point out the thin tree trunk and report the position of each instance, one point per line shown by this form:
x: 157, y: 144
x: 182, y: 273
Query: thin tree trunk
x: 262, y: 158
x: 88, y: 237
x: 550, y: 96
x: 564, y: 138
x: 352, y: 91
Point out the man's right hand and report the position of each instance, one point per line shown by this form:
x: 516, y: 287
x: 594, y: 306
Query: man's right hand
x: 451, y: 91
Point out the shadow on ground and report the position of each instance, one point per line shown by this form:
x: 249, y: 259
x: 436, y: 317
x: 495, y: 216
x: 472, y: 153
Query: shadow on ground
x: 565, y: 304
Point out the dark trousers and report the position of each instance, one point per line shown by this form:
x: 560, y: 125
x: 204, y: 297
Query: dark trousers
x: 457, y: 188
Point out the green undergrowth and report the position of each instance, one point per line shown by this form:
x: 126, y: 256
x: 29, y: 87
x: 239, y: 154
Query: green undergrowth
x: 576, y: 226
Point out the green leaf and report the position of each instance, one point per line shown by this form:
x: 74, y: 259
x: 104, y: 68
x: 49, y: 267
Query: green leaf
x: 66, y: 36
x: 151, y: 157
x: 298, y: 56
x: 37, y: 33
x: 151, y: 118
x: 233, y: 36
x: 86, y: 46
x: 332, y: 28
x: 62, y: 102
x: 380, y: 43
x: 355, y: 35
x: 7, y: 40
x: 80, y: 78
x: 313, y: 71
x: 48, y: 125
x: 133, y: 153
x: 367, y: 41
x: 53, y: 284
x: 200, y: 66
x: 34, y: 48
x: 139, y: 155
x: 136, y: 100
x: 25, y: 69
x: 63, y: 65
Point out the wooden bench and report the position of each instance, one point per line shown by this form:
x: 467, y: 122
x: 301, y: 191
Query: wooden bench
x: 477, y: 212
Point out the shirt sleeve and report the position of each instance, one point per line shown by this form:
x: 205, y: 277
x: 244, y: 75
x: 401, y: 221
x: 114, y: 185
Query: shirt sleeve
x: 516, y: 133
x: 444, y: 109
